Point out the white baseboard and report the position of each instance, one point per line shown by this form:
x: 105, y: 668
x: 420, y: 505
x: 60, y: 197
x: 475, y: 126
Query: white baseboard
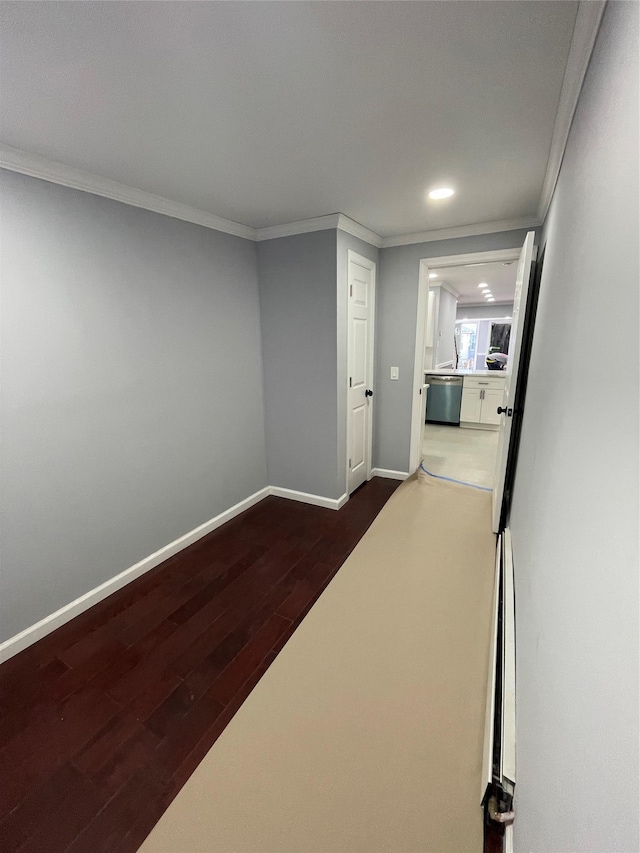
x: 306, y: 498
x: 390, y: 475
x: 45, y: 626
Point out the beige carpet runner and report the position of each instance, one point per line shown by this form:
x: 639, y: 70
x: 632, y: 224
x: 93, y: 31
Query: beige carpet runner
x: 366, y: 732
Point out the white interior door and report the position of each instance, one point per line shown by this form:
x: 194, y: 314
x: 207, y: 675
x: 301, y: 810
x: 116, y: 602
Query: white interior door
x: 511, y: 376
x: 361, y: 283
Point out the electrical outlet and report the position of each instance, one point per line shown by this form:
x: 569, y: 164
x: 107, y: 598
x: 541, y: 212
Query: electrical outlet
x: 394, y: 373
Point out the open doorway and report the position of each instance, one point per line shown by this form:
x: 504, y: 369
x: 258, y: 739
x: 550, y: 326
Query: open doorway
x: 465, y: 310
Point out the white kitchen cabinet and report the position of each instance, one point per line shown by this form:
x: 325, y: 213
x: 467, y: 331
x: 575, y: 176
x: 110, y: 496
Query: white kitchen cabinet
x: 481, y: 397
x: 491, y: 400
x: 471, y: 405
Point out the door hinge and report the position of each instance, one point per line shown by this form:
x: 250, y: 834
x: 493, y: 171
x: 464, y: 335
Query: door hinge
x: 350, y: 291
x: 349, y: 464
x: 350, y: 381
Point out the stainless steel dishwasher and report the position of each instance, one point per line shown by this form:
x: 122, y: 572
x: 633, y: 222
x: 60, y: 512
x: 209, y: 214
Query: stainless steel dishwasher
x: 444, y: 397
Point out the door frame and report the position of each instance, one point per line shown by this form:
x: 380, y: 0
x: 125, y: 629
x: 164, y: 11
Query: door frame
x: 526, y: 265
x: 426, y: 264
x: 531, y: 310
x: 367, y: 263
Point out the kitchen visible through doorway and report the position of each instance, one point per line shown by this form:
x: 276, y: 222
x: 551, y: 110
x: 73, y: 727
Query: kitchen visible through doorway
x: 467, y: 329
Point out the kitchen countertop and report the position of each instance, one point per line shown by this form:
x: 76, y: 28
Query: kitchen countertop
x: 442, y: 372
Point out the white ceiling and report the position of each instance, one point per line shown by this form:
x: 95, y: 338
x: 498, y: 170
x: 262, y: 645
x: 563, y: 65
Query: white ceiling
x: 500, y: 277
x: 272, y: 112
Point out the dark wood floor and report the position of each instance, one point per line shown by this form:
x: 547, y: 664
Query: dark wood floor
x: 103, y: 721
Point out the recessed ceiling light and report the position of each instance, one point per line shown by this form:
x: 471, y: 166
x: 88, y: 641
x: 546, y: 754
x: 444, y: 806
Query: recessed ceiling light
x: 483, y: 284
x: 441, y: 192
x: 433, y: 275
x: 491, y: 299
x: 487, y: 295
x: 486, y: 289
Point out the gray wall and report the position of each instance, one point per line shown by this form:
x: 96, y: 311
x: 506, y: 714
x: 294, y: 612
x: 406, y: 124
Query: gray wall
x: 298, y: 304
x: 397, y: 306
x: 495, y: 311
x: 575, y: 511
x: 131, y: 388
x: 344, y: 243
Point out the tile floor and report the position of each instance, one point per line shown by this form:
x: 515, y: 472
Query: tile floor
x: 464, y: 454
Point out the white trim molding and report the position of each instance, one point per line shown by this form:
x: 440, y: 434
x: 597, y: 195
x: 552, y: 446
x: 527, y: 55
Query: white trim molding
x: 474, y: 258
x: 524, y: 222
x: 585, y: 30
x: 68, y: 176
x: 388, y: 474
x: 320, y: 223
x: 36, y: 166
x: 356, y: 230
x: 45, y: 626
x: 508, y: 838
x: 303, y: 226
x: 306, y: 498
x: 444, y: 285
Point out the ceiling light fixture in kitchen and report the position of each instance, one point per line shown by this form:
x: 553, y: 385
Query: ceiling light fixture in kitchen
x: 433, y: 275
x: 441, y: 192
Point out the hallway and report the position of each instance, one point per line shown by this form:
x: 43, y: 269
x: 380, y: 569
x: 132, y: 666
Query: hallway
x: 366, y: 735
x: 372, y: 717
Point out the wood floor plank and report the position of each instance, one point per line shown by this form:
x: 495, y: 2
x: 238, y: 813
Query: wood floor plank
x: 225, y: 687
x: 52, y: 815
x: 116, y: 752
x: 120, y: 824
x: 106, y: 718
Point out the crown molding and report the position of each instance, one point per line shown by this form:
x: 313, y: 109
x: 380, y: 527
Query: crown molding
x: 320, y: 223
x: 444, y: 285
x: 350, y: 226
x: 585, y: 30
x: 521, y: 222
x: 302, y: 226
x: 36, y: 166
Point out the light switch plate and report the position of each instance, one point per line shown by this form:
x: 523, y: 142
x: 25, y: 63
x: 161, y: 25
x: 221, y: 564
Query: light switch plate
x: 394, y: 373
